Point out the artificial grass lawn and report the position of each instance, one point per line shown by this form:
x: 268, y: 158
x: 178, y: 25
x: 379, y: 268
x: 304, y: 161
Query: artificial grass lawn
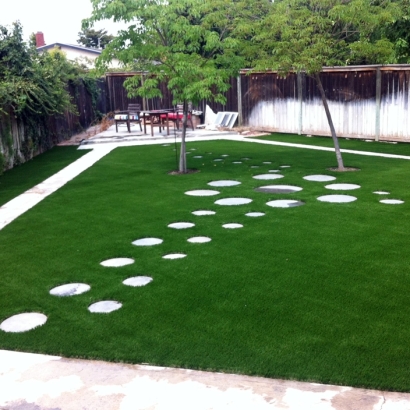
x: 21, y: 178
x: 318, y: 292
x: 400, y: 148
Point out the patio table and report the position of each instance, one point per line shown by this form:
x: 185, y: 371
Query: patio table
x: 154, y: 117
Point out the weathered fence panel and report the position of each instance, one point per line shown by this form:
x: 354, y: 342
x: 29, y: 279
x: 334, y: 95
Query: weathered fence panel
x: 365, y: 102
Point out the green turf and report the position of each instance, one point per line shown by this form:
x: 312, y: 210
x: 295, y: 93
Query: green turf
x: 351, y: 144
x: 17, y: 180
x: 318, y: 292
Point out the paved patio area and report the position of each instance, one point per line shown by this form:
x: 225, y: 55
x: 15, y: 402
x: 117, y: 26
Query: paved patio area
x: 40, y: 382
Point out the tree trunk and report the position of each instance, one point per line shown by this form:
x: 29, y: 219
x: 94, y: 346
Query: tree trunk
x: 182, y: 157
x: 339, y: 158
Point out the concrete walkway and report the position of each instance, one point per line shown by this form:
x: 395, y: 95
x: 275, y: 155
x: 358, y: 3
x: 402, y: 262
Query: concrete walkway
x: 40, y: 382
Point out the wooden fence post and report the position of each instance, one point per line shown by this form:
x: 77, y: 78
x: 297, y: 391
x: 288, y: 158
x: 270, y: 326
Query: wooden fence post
x: 239, y: 91
x: 300, y: 99
x: 378, y: 102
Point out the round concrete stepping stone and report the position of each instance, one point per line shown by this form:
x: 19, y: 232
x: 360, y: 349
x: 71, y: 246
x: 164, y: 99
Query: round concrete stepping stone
x: 224, y: 182
x: 181, y: 225
x: 105, y: 306
x: 225, y: 155
x: 23, y: 322
x: 268, y: 176
x: 193, y: 149
x: 174, y: 256
x: 232, y: 226
x: 245, y: 159
x: 202, y: 192
x: 117, y: 262
x: 342, y: 187
x: 255, y: 166
x: 381, y: 192
x: 274, y: 170
x: 236, y: 162
x: 137, y: 281
x: 233, y: 201
x: 267, y: 162
x: 284, y: 166
x: 319, y: 178
x: 392, y: 201
x: 198, y: 156
x: 199, y: 239
x: 70, y: 289
x: 284, y: 203
x: 203, y: 212
x: 218, y: 159
x: 147, y: 242
x: 165, y: 145
x: 255, y: 214
x: 278, y: 189
x: 337, y: 198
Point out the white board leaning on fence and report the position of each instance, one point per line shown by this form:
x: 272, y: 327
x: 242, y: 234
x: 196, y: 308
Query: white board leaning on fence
x: 221, y: 119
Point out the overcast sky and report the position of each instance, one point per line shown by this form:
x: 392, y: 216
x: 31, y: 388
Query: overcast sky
x: 60, y: 21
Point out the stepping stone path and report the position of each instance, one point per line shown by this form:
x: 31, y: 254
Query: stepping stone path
x: 392, y: 201
x: 255, y: 214
x: 147, y: 242
x: 319, y: 178
x: 27, y: 321
x: 267, y: 176
x: 342, y: 187
x: 278, y: 189
x: 337, y: 198
x: 200, y: 213
x: 232, y: 226
x: 202, y: 192
x: 137, y: 281
x: 181, y: 225
x: 70, y: 289
x: 199, y: 239
x: 233, y: 201
x: 105, y: 306
x: 117, y: 262
x: 224, y: 182
x: 284, y: 203
x: 174, y: 256
x: 23, y: 322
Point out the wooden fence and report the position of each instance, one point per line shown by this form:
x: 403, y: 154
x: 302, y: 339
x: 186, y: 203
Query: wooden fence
x: 23, y: 138
x: 369, y: 102
x: 365, y: 101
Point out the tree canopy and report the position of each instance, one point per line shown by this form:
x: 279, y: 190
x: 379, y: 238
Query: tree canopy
x: 30, y: 82
x: 195, y: 45
x: 94, y: 38
x: 306, y: 35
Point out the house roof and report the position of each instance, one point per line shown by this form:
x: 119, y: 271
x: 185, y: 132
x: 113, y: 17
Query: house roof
x: 72, y: 46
